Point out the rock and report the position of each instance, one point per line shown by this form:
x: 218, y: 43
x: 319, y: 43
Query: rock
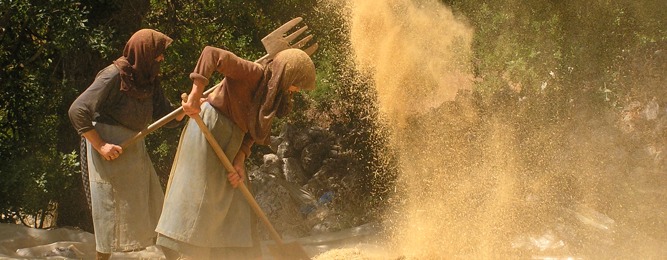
x: 292, y: 144
x: 271, y: 159
x: 272, y: 165
x: 280, y: 208
x: 275, y: 142
x: 318, y: 183
x: 309, y: 162
x: 318, y: 135
x: 299, y: 141
x: 61, y: 249
x: 283, y: 150
x: 293, y: 171
x: 312, y: 158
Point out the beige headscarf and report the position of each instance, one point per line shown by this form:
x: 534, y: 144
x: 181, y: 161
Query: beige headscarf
x: 138, y: 68
x: 291, y: 67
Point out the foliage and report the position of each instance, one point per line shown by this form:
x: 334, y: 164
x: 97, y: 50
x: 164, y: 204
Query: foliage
x: 36, y: 37
x: 50, y: 51
x: 542, y: 52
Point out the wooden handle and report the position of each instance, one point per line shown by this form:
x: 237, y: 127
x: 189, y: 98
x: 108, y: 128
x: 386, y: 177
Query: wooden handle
x: 163, y: 121
x: 154, y: 126
x: 230, y: 168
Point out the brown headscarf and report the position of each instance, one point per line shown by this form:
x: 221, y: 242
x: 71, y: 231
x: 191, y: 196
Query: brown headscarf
x: 291, y: 67
x: 138, y: 68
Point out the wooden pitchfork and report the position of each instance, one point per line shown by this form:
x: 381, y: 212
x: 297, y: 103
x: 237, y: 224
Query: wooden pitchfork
x: 274, y: 42
x: 282, y: 250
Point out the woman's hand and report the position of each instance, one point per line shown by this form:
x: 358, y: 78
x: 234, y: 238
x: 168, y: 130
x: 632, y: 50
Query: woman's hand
x: 180, y: 116
x: 110, y: 151
x: 106, y: 150
x: 236, y: 178
x: 189, y: 107
x: 192, y: 104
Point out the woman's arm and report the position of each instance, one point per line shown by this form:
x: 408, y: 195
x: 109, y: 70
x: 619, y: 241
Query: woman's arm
x: 193, y: 105
x: 239, y: 161
x: 83, y: 109
x: 107, y: 150
x: 214, y: 59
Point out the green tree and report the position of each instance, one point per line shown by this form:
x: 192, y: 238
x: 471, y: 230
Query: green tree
x: 34, y: 82
x: 50, y: 51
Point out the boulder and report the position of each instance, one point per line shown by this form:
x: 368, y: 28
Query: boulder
x: 312, y: 158
x: 293, y: 171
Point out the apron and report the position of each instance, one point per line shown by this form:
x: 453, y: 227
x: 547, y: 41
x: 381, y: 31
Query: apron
x: 203, y: 212
x: 126, y: 196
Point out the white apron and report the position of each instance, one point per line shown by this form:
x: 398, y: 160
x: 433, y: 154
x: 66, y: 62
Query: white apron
x: 202, y: 210
x: 126, y: 195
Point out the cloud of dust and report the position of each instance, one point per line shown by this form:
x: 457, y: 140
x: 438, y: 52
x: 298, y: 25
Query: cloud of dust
x: 419, y: 57
x: 418, y: 54
x: 491, y: 189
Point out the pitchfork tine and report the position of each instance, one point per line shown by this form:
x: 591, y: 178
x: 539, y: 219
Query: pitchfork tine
x: 295, y: 34
x: 287, y: 26
x: 311, y: 49
x: 302, y: 42
x: 279, y: 40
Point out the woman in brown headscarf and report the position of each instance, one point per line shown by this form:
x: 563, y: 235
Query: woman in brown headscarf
x: 125, y: 97
x: 204, y: 216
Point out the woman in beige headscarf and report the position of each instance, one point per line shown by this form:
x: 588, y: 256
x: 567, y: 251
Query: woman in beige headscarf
x: 125, y: 97
x: 204, y: 216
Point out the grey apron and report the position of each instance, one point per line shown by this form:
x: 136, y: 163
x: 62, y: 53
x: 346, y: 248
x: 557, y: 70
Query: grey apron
x: 126, y: 195
x: 202, y: 210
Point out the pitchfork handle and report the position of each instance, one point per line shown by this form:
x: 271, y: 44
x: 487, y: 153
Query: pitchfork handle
x: 163, y: 121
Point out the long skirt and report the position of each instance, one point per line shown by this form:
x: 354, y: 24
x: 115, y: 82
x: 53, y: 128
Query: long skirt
x: 203, y: 215
x: 126, y: 195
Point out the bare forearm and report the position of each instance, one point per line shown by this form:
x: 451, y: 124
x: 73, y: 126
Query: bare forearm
x: 94, y: 138
x: 106, y: 150
x: 240, y: 157
x: 197, y: 90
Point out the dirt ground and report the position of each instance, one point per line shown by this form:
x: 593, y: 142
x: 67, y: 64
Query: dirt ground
x: 21, y: 242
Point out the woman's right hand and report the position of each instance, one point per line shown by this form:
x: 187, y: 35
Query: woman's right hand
x: 110, y: 151
x: 106, y: 150
x: 192, y: 104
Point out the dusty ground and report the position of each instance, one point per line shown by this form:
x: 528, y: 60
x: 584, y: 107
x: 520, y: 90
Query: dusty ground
x: 20, y: 242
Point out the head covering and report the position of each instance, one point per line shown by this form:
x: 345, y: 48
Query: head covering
x: 138, y: 68
x: 291, y: 67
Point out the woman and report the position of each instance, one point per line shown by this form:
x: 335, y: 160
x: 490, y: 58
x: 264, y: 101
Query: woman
x: 204, y: 216
x: 125, y: 97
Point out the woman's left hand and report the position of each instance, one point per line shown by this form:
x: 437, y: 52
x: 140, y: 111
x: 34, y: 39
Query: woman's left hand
x: 187, y: 108
x: 236, y: 178
x: 192, y: 105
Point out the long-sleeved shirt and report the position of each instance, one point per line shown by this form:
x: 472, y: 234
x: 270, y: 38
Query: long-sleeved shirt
x: 103, y: 102
x: 234, y: 98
